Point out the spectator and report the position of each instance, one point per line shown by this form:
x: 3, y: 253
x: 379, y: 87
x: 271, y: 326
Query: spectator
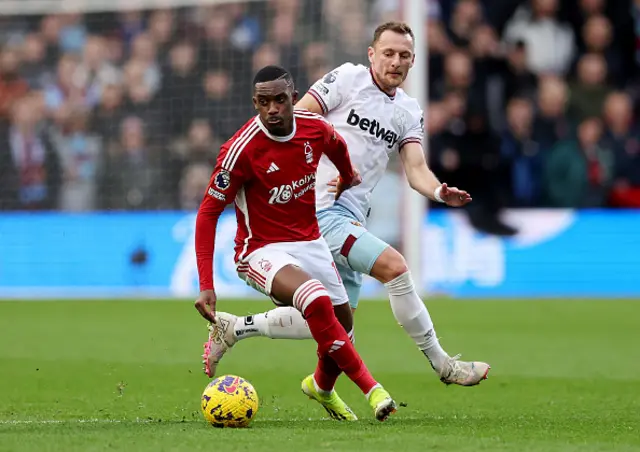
x: 94, y: 71
x: 130, y: 24
x: 109, y: 113
x: 193, y: 184
x: 346, y: 30
x: 266, y: 54
x: 590, y: 90
x: 63, y: 93
x: 439, y: 45
x: 33, y: 66
x: 248, y: 29
x: 488, y: 69
x: 459, y: 76
x: 29, y: 165
x: 50, y: 32
x: 467, y: 16
x: 162, y: 26
x: 79, y: 152
x: 197, y: 155
x: 579, y: 172
x: 144, y: 52
x: 283, y: 37
x: 218, y: 106
x: 519, y: 81
x: 522, y: 154
x: 73, y: 34
x: 539, y: 28
x: 217, y: 49
x: 551, y: 123
x: 585, y: 10
x: 140, y: 100
x: 199, y: 146
x: 598, y: 36
x: 447, y: 151
x: 180, y: 86
x: 623, y: 136
x: 315, y: 64
x: 12, y: 85
x: 132, y: 175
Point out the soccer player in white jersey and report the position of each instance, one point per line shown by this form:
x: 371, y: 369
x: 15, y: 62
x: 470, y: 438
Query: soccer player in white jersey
x: 376, y: 118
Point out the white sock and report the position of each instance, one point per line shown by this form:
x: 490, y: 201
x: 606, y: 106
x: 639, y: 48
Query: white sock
x: 279, y: 323
x: 413, y: 316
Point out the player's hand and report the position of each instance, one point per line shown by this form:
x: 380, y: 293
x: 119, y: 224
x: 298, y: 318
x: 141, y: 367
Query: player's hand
x: 333, y: 185
x: 206, y: 305
x: 336, y: 186
x: 341, y: 186
x: 453, y: 196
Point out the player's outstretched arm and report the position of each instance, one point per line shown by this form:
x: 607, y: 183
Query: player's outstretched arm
x: 225, y: 181
x: 422, y: 179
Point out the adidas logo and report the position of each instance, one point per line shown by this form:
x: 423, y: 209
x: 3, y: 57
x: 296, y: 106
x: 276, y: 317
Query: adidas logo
x: 272, y: 168
x: 337, y: 345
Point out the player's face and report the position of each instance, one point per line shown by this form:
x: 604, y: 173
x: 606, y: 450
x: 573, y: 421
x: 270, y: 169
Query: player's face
x: 274, y: 102
x: 391, y: 58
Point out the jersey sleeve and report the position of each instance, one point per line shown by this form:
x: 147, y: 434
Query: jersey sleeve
x: 332, y: 89
x: 230, y: 173
x: 415, y: 132
x: 336, y: 150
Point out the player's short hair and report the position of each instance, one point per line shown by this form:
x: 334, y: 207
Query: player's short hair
x: 271, y: 73
x: 397, y: 27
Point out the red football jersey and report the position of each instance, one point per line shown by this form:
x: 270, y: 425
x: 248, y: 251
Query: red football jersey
x: 272, y: 181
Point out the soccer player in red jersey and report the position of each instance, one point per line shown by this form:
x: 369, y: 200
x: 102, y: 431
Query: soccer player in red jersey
x: 268, y: 168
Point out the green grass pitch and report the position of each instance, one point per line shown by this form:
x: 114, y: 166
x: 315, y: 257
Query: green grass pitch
x: 118, y: 375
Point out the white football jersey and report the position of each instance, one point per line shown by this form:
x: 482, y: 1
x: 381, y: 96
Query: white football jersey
x: 372, y: 123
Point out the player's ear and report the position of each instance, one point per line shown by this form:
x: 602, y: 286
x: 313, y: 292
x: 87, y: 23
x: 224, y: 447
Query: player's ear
x: 255, y: 102
x: 370, y: 52
x: 295, y: 96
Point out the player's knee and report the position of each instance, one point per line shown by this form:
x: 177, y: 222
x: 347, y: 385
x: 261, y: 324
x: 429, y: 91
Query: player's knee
x: 311, y: 291
x: 389, y: 266
x: 285, y: 283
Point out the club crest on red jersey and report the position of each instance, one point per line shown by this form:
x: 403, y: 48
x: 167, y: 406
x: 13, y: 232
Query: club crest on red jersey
x: 308, y: 152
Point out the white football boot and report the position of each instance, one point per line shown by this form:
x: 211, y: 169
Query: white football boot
x: 463, y: 373
x: 221, y: 339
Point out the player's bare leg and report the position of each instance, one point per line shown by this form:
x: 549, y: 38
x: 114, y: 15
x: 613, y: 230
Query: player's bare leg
x: 411, y: 313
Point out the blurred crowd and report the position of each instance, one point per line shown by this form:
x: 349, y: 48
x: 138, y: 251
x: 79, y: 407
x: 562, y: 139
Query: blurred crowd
x: 532, y: 103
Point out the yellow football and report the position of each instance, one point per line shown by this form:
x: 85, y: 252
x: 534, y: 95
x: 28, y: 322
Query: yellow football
x: 229, y: 401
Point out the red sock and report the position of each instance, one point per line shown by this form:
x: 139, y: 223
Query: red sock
x: 327, y: 373
x: 312, y: 299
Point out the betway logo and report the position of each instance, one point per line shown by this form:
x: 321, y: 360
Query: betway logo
x: 284, y: 193
x: 373, y: 127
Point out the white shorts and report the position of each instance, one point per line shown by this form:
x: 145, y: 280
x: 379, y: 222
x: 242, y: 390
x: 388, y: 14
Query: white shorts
x: 260, y: 267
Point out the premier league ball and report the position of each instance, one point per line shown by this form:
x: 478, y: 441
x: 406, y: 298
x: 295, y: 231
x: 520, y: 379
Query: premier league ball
x: 229, y: 401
